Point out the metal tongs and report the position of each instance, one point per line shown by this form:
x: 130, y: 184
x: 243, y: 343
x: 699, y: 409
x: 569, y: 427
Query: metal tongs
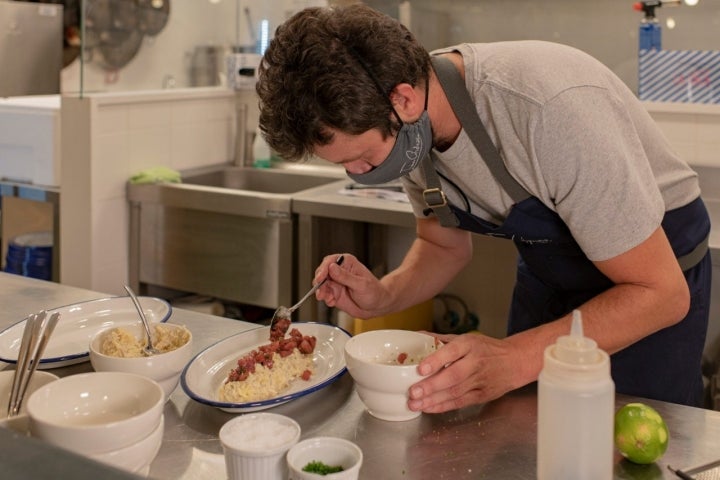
x: 34, y: 340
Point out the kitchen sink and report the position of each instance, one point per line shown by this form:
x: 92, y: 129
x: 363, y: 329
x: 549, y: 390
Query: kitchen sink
x: 227, y: 232
x: 269, y: 180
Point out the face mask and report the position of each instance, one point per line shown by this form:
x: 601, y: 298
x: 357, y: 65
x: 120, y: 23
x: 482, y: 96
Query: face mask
x: 412, y: 143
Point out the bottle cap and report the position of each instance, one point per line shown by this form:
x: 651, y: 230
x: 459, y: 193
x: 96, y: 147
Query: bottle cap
x: 576, y: 348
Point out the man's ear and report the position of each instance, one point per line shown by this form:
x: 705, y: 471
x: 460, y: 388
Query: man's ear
x: 407, y: 101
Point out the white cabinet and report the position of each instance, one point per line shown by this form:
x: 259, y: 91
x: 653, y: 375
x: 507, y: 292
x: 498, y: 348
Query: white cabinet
x: 30, y: 139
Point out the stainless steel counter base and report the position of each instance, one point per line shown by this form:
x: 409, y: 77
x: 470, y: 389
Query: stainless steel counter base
x: 226, y: 232
x: 496, y: 440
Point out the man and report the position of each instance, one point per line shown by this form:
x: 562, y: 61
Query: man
x: 531, y: 141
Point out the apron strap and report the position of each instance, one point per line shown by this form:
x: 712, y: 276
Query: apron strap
x: 464, y: 107
x: 689, y: 260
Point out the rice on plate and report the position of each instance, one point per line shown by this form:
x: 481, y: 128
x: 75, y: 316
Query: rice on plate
x: 268, y: 370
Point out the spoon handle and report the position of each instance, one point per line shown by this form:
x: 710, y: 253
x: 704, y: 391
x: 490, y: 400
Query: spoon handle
x: 140, y: 312
x: 46, y: 330
x: 35, y: 337
x: 338, y: 261
x: 29, y: 338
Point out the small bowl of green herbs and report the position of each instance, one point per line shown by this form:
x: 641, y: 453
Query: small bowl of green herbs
x: 328, y: 458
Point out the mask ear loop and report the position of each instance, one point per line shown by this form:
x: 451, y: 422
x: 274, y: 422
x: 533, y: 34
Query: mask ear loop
x: 375, y: 80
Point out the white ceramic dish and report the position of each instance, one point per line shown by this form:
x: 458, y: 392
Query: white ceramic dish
x: 205, y: 373
x: 78, y: 323
x: 164, y: 368
x: 18, y: 424
x: 96, y: 412
x: 6, y: 378
x: 331, y: 451
x: 134, y: 458
x: 255, y: 445
x: 381, y: 382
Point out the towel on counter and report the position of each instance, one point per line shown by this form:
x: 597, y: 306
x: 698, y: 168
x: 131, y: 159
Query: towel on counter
x: 156, y: 175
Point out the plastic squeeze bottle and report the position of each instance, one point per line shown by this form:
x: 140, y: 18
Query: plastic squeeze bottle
x: 576, y: 402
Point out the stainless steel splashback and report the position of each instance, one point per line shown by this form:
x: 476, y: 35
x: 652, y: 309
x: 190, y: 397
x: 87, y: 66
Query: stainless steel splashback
x: 31, y: 40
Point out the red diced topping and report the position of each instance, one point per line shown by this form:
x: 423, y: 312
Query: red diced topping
x: 263, y: 355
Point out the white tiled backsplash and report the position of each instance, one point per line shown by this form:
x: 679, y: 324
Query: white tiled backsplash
x: 693, y: 130
x: 107, y: 138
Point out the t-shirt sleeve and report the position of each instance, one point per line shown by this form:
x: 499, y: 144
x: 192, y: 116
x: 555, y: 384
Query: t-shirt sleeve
x: 596, y: 172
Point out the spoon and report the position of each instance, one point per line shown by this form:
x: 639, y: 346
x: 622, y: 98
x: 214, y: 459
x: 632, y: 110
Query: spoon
x: 285, y: 313
x: 149, y: 350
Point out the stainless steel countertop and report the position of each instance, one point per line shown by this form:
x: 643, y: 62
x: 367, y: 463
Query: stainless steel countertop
x: 495, y: 440
x: 326, y: 201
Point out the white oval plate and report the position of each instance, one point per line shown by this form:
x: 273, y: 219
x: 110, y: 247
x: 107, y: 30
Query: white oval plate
x: 202, y: 377
x: 78, y: 323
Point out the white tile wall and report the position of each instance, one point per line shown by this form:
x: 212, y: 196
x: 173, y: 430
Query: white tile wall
x: 693, y: 130
x: 109, y: 258
x: 111, y: 168
x: 128, y: 133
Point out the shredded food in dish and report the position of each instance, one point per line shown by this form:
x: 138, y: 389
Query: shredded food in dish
x: 119, y: 342
x: 404, y: 358
x: 270, y: 369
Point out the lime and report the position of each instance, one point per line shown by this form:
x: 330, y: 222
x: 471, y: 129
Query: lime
x: 641, y: 434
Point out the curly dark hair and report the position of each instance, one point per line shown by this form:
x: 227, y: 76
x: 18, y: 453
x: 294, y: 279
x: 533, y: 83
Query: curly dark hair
x: 318, y: 70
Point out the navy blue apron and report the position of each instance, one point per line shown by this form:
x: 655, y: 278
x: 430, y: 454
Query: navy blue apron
x: 554, y: 276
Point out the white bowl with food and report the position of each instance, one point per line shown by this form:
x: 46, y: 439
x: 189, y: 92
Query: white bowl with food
x: 38, y: 379
x: 383, y: 364
x: 119, y: 349
x: 137, y: 456
x: 332, y: 458
x: 96, y: 412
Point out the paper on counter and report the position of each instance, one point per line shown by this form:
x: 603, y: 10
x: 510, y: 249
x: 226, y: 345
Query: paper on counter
x: 380, y: 193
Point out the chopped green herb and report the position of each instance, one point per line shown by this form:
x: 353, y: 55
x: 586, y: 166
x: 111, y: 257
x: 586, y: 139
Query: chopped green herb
x: 321, y: 469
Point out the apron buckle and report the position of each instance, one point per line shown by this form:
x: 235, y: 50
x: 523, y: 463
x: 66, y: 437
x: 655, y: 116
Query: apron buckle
x: 434, y: 197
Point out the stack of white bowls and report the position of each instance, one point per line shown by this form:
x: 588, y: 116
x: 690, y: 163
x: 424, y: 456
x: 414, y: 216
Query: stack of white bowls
x: 112, y: 417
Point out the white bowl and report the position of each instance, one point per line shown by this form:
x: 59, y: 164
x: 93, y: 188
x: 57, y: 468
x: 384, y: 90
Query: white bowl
x: 38, y: 379
x: 255, y: 445
x: 96, y: 412
x: 381, y: 382
x: 137, y: 456
x: 331, y: 451
x: 164, y: 368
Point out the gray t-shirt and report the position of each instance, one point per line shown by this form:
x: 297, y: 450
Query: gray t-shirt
x: 574, y: 136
